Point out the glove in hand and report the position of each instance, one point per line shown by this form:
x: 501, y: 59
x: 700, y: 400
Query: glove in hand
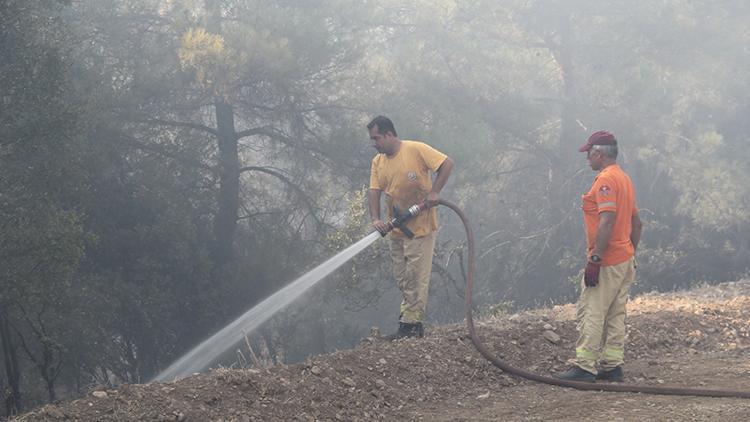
x: 591, y: 274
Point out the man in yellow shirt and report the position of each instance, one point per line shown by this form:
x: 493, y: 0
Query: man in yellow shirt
x: 402, y: 169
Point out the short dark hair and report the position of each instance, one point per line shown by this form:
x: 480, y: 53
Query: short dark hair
x: 384, y: 125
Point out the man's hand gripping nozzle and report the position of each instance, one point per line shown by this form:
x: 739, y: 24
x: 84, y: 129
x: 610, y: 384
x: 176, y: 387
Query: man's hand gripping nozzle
x: 399, y: 219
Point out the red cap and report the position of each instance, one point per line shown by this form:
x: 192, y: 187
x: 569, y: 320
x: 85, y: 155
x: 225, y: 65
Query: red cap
x: 601, y: 137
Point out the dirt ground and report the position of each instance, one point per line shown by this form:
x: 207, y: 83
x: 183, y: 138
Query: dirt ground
x: 698, y: 338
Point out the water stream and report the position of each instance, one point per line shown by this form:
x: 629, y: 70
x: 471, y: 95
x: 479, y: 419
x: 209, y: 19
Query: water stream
x: 202, y: 355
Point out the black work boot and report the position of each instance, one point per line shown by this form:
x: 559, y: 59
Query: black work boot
x: 614, y: 374
x: 410, y: 329
x: 418, y: 329
x: 407, y: 329
x: 576, y: 374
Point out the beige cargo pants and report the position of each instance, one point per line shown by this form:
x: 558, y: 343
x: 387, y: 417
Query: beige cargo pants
x: 601, y: 318
x: 412, y: 265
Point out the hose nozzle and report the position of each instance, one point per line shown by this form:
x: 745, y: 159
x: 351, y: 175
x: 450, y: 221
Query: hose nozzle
x: 415, y: 209
x: 399, y: 219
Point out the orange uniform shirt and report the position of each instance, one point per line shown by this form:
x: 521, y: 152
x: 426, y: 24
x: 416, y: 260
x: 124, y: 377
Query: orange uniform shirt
x: 612, y: 191
x: 405, y: 179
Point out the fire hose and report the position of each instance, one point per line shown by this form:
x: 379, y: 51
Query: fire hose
x: 399, y: 222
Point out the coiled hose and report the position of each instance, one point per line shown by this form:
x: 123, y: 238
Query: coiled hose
x: 628, y: 388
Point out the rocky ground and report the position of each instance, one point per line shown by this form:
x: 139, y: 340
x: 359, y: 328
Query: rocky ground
x: 698, y: 338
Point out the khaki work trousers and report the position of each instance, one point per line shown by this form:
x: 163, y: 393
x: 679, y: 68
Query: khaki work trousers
x: 601, y: 318
x: 412, y: 265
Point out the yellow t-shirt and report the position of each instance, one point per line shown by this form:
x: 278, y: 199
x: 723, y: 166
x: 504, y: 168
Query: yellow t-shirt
x: 405, y: 179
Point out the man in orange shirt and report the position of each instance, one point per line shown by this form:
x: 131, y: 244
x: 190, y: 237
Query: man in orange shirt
x: 402, y: 170
x: 613, y: 230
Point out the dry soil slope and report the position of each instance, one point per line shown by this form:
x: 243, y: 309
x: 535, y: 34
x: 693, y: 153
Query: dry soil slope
x: 699, y: 337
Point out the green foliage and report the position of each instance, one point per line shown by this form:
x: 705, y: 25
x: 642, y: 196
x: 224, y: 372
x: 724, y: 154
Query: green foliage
x: 43, y: 231
x: 710, y: 192
x: 352, y: 226
x: 360, y: 280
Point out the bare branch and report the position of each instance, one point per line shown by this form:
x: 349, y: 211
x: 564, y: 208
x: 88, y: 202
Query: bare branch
x: 164, y: 152
x: 288, y: 182
x: 263, y: 130
x: 189, y: 125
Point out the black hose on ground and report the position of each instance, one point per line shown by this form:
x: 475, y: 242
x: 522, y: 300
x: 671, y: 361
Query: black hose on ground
x: 628, y: 388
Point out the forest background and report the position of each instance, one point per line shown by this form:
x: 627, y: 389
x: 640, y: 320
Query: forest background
x: 165, y: 165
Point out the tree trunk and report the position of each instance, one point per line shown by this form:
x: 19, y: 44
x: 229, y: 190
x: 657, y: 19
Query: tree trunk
x: 319, y: 333
x: 51, y: 390
x: 225, y: 225
x: 571, y: 132
x: 49, y: 372
x: 13, y: 399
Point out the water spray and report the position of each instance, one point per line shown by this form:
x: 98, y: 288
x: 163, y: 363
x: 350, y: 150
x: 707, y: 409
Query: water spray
x: 201, y: 356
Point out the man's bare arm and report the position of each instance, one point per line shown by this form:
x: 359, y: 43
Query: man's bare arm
x: 604, y: 232
x: 635, y: 231
x: 373, y: 199
x: 443, y: 173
